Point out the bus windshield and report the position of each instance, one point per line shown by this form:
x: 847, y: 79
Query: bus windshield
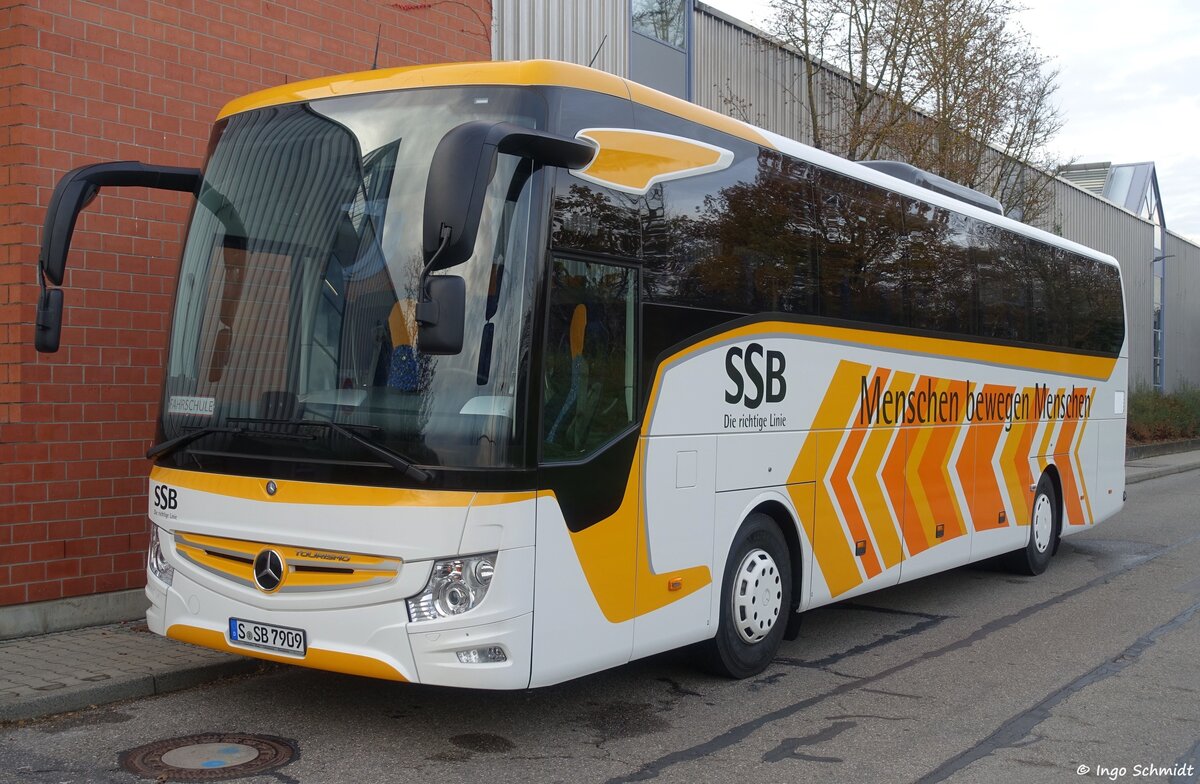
x: 299, y: 278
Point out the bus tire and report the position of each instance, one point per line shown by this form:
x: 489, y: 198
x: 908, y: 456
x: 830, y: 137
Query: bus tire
x: 1044, y: 524
x: 756, y: 597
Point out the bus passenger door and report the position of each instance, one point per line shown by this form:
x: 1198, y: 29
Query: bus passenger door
x: 590, y: 474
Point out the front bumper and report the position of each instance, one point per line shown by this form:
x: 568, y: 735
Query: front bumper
x: 374, y: 640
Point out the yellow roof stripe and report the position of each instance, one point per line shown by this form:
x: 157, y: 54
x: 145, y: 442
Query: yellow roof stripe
x: 522, y: 73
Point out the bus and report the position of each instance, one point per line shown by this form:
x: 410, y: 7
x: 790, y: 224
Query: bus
x: 493, y: 375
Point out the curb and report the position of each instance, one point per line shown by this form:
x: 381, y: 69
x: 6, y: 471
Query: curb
x: 133, y: 688
x: 1142, y: 451
x: 1157, y: 473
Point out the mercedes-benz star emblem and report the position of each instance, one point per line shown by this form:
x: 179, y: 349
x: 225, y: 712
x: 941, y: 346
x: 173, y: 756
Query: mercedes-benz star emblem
x: 268, y: 570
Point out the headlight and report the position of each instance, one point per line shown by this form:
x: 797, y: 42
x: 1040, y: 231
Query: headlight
x: 155, y: 561
x: 455, y: 586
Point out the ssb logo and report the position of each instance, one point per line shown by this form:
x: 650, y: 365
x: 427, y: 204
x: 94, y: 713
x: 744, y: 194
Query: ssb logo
x: 165, y: 497
x: 764, y: 371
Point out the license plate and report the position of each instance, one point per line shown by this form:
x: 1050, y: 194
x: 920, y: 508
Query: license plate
x: 267, y: 636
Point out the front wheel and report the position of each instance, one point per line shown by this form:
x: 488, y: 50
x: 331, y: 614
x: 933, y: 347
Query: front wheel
x: 756, y: 595
x: 1044, y: 525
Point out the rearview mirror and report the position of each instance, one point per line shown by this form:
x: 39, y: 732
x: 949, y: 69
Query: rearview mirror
x: 48, y: 327
x: 462, y: 167
x: 441, y: 314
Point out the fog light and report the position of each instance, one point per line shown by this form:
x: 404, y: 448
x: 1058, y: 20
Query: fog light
x: 156, y: 562
x: 455, y: 586
x: 489, y: 655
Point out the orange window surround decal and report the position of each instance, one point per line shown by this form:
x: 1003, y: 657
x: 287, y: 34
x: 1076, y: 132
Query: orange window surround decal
x: 633, y: 161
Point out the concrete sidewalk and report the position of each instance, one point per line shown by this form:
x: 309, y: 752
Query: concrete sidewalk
x: 1147, y: 468
x: 65, y: 671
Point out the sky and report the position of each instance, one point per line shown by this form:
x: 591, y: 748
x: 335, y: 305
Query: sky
x: 1129, y: 86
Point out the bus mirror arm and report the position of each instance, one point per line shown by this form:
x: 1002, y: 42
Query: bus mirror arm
x: 75, y: 191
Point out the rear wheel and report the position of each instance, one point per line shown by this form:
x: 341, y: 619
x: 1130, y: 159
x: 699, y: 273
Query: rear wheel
x: 1044, y: 522
x: 756, y: 595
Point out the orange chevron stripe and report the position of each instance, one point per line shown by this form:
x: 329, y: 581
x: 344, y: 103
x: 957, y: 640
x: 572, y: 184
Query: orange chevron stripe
x: 916, y: 507
x: 961, y: 515
x: 965, y: 468
x: 1068, y: 472
x: 871, y: 492
x: 1014, y: 462
x: 934, y: 476
x: 1087, y: 502
x: 918, y: 526
x: 893, y: 466
x: 1044, y: 449
x: 845, y: 495
x: 989, y: 499
x: 834, y: 554
x: 976, y: 467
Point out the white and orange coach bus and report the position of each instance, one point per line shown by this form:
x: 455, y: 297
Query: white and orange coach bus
x: 497, y: 374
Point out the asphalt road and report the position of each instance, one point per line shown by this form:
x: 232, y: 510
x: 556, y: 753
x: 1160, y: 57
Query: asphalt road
x: 970, y: 676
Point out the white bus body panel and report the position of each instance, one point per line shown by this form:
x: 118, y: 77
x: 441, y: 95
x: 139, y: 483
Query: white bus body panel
x: 360, y: 629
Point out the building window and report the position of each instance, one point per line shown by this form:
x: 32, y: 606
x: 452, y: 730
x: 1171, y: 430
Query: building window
x: 1157, y: 289
x: 665, y: 20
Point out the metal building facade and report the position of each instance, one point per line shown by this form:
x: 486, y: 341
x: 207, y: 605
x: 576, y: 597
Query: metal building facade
x: 1182, y: 288
x: 564, y: 30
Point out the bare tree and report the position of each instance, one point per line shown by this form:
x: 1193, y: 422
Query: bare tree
x: 951, y: 86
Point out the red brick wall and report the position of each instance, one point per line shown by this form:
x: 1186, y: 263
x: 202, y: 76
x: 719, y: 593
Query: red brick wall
x: 84, y: 82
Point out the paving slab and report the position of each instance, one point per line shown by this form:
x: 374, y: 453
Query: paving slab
x: 65, y: 671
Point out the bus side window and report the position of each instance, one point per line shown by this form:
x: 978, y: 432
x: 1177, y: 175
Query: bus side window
x: 587, y: 396
x: 859, y: 231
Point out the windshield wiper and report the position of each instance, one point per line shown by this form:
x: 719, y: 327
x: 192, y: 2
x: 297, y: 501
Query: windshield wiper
x: 392, y: 458
x: 171, y: 444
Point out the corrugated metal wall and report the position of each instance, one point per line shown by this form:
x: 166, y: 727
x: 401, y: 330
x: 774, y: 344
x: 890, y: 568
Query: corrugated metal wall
x: 1182, y: 284
x: 739, y: 73
x: 563, y: 30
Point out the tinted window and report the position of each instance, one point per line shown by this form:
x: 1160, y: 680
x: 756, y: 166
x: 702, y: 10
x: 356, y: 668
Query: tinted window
x: 999, y: 257
x: 1049, y: 315
x: 1097, y: 311
x: 738, y: 241
x: 941, y: 274
x: 590, y: 217
x: 859, y: 231
x: 772, y: 234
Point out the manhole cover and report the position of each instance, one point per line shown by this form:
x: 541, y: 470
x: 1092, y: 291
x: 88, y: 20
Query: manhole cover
x: 208, y: 757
